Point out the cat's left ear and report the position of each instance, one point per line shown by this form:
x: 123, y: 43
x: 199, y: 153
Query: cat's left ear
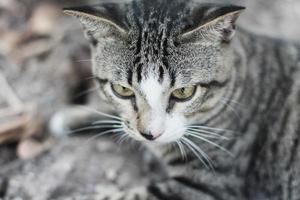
x: 100, y: 21
x: 212, y: 23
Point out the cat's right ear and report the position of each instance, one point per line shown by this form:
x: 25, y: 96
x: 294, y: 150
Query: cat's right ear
x: 97, y: 24
x: 212, y: 23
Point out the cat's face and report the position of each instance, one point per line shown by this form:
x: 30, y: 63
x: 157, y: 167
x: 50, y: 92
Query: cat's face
x: 162, y: 72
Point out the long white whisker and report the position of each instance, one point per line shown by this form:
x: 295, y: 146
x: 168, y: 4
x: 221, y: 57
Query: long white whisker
x: 86, y: 92
x: 210, y: 128
x: 89, y: 78
x: 89, y: 60
x: 104, y: 133
x: 180, y: 148
x: 233, y: 101
x: 189, y: 146
x: 194, y: 149
x: 208, y: 134
x: 210, y: 162
x: 92, y: 128
x: 212, y: 143
x: 126, y: 136
x: 101, y: 113
x: 121, y: 137
x: 231, y: 108
x: 107, y: 122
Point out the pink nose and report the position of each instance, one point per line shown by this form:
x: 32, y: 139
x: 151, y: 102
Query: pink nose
x: 151, y: 136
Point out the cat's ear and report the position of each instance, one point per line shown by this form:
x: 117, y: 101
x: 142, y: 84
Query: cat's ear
x: 212, y: 23
x: 99, y: 22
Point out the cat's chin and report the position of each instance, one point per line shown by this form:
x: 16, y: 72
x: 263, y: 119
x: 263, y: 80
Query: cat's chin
x: 161, y: 141
x: 157, y: 142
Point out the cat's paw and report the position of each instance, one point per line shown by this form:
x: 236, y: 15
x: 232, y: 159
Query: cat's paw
x: 133, y: 194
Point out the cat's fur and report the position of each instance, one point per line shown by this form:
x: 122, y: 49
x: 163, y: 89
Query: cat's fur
x: 246, y: 83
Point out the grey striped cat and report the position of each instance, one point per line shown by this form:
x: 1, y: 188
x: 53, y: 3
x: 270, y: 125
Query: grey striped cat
x: 178, y: 72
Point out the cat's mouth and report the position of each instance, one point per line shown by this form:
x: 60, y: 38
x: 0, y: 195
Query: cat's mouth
x: 140, y: 136
x: 161, y: 138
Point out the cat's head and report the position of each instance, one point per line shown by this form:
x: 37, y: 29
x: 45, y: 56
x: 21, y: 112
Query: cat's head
x: 164, y: 65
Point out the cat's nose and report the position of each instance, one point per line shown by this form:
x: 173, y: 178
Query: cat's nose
x: 150, y: 136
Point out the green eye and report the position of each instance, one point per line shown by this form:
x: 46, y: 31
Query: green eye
x: 184, y: 94
x: 122, y: 91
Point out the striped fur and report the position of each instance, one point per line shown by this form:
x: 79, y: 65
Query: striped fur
x: 249, y: 84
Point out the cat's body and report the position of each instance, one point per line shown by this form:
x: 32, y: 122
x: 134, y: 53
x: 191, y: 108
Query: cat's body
x: 272, y: 80
x: 248, y: 84
x: 266, y: 150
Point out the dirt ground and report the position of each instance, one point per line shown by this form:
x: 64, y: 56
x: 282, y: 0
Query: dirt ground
x: 76, y: 167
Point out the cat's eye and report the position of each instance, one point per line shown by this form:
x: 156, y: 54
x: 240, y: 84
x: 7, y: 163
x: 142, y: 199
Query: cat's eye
x: 122, y: 92
x: 184, y: 94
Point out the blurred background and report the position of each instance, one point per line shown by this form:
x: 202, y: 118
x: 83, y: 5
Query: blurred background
x: 45, y: 67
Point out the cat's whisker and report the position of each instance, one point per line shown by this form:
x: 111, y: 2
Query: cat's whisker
x: 207, y: 134
x: 211, y: 128
x: 196, y: 150
x: 89, y: 128
x: 107, y: 122
x: 126, y: 137
x: 118, y: 122
x: 101, y: 113
x: 233, y: 101
x: 196, y: 147
x: 231, y: 108
x: 123, y: 138
x: 210, y: 142
x: 104, y: 133
x: 86, y: 92
x: 88, y: 60
x: 181, y: 148
x: 119, y: 137
x: 89, y: 78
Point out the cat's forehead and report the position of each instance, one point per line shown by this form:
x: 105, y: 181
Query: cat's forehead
x: 146, y: 10
x: 153, y: 25
x: 152, y: 47
x: 157, y: 17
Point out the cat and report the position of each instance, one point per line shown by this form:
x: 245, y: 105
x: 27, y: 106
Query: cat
x: 181, y: 72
